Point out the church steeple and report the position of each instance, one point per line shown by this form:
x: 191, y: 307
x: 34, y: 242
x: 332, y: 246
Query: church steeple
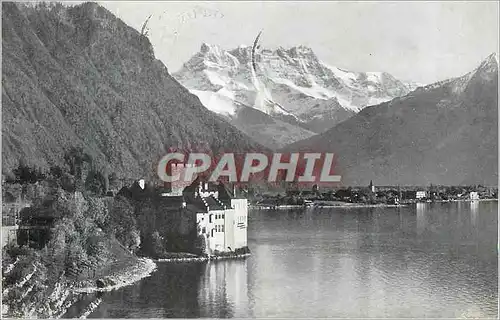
x: 371, y: 186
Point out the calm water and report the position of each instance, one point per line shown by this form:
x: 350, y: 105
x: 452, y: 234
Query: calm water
x: 425, y: 260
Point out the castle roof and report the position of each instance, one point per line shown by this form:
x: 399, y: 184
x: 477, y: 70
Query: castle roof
x: 207, y: 204
x: 171, y: 201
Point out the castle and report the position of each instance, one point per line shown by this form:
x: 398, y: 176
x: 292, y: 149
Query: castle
x: 221, y: 216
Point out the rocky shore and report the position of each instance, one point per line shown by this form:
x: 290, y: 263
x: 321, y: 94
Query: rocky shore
x: 128, y: 275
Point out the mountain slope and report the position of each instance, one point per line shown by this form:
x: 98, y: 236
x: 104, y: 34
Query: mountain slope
x: 78, y: 76
x: 445, y: 133
x: 271, y: 131
x: 316, y: 94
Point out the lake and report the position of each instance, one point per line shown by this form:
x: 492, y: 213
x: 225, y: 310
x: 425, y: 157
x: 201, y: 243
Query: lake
x: 426, y: 260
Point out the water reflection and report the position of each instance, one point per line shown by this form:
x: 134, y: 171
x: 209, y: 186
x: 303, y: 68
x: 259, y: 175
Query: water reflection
x: 222, y: 286
x: 172, y: 291
x: 421, y: 208
x: 474, y: 208
x: 427, y: 260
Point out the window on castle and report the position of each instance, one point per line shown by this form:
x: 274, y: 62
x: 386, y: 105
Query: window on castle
x: 222, y: 228
x: 210, y: 219
x: 204, y: 230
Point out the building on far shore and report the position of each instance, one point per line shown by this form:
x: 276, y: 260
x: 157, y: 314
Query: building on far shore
x: 474, y: 195
x: 371, y: 187
x: 413, y: 195
x: 421, y: 195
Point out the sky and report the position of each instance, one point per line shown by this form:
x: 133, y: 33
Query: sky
x: 419, y: 41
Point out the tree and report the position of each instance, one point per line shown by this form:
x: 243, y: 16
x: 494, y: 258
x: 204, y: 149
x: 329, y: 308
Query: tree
x: 75, y: 158
x: 157, y: 244
x: 27, y: 175
x: 68, y: 183
x: 200, y: 245
x: 122, y: 223
x: 56, y: 172
x: 371, y: 198
x: 113, y: 181
x: 96, y: 182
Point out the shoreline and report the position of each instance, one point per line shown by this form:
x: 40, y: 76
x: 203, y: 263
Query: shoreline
x: 359, y: 205
x: 143, y: 268
x: 129, y: 275
x: 362, y: 206
x: 343, y: 205
x: 203, y: 259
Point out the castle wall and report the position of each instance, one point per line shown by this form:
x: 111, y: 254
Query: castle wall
x: 240, y: 222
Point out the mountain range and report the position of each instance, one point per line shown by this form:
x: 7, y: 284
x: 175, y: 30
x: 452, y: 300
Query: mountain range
x: 77, y: 76
x: 307, y: 95
x: 443, y: 133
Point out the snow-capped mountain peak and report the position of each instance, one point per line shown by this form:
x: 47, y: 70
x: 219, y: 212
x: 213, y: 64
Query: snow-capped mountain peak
x: 291, y: 82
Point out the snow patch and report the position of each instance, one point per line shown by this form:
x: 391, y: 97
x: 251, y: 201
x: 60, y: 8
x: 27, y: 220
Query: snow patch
x: 345, y: 76
x: 314, y: 92
x: 221, y: 102
x: 217, y: 78
x: 346, y: 104
x: 374, y: 101
x: 375, y: 77
x: 236, y: 63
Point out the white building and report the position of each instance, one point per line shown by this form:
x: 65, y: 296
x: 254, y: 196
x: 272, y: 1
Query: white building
x: 421, y: 194
x: 473, y: 195
x: 222, y: 219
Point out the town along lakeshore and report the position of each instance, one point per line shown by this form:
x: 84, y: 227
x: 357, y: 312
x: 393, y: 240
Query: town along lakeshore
x: 368, y: 196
